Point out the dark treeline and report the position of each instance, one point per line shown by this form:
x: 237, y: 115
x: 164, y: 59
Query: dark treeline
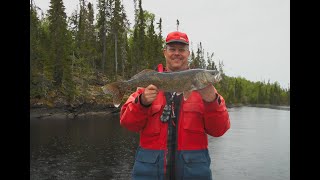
x: 72, y: 57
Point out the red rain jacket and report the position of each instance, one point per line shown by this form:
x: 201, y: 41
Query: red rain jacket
x: 196, y: 119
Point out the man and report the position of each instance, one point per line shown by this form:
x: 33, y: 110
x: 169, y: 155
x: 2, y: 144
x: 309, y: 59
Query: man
x: 176, y: 148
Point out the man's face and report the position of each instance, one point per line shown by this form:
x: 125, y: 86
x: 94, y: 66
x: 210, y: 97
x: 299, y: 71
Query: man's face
x: 176, y: 55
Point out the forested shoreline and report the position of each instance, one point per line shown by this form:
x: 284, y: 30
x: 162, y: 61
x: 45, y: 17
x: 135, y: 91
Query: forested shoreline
x: 72, y: 57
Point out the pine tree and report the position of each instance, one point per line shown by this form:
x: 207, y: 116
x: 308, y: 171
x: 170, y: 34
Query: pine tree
x: 36, y: 60
x: 159, y: 58
x: 103, y: 16
x: 118, y: 38
x: 138, y: 44
x: 60, y: 40
x: 151, y: 41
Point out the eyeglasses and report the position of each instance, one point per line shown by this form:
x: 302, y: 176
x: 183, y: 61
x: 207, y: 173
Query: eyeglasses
x: 173, y: 49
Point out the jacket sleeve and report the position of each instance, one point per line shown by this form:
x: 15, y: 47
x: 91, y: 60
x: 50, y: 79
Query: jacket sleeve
x: 216, y: 117
x: 133, y: 115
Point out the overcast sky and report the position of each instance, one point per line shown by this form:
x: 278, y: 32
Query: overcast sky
x: 251, y: 37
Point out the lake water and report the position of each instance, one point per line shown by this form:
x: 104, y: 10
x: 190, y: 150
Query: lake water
x: 256, y: 147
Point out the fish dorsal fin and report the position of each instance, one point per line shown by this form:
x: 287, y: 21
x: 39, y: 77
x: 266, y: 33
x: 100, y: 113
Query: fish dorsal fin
x: 120, y: 78
x: 142, y: 73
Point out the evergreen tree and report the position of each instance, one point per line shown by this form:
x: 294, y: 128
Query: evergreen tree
x: 60, y: 39
x: 151, y: 42
x: 62, y: 57
x: 124, y: 47
x: 118, y: 37
x: 202, y: 63
x: 138, y: 46
x: 191, y: 59
x: 92, y: 53
x: 103, y: 17
x: 36, y: 59
x: 210, y: 63
x: 57, y: 31
x: 159, y: 58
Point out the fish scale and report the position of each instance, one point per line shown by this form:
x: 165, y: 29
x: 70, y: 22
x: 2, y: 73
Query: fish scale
x: 179, y: 81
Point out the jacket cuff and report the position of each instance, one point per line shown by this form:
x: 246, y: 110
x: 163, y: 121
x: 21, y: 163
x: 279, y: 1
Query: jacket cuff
x: 214, y: 105
x: 137, y: 100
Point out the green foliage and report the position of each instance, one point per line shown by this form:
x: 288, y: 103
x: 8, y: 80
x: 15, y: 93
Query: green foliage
x: 71, y: 56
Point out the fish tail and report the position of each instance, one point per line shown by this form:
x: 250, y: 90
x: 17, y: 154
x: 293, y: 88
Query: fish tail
x: 218, y: 77
x: 117, y: 90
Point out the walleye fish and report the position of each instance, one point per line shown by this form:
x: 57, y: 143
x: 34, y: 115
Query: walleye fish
x: 180, y: 81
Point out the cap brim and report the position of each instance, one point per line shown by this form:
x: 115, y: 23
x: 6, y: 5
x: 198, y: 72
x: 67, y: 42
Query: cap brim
x: 179, y: 41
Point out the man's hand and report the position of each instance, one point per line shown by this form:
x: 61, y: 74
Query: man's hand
x: 208, y: 93
x: 149, y: 95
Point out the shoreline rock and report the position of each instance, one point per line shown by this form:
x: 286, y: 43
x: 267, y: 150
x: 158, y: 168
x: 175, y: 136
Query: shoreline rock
x: 42, y: 112
x: 70, y: 113
x: 279, y: 107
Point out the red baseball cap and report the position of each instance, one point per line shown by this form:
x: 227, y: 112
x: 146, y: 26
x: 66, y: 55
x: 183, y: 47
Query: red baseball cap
x: 177, y: 36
